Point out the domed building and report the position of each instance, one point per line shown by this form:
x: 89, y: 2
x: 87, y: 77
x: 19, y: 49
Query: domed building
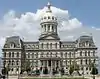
x: 49, y: 51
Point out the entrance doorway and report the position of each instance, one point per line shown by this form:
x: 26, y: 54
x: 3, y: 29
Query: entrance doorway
x: 49, y: 62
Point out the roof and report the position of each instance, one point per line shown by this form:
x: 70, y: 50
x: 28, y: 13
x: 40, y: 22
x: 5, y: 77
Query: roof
x: 30, y: 42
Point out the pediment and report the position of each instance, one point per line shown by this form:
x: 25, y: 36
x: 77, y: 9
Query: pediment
x: 50, y: 37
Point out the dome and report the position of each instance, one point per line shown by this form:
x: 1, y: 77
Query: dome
x: 48, y: 15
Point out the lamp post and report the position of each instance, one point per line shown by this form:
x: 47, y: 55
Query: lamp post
x: 18, y: 72
x: 83, y: 72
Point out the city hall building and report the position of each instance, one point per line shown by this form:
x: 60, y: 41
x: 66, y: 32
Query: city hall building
x: 49, y: 51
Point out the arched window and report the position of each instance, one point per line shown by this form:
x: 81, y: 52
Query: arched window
x: 87, y: 43
x: 12, y: 45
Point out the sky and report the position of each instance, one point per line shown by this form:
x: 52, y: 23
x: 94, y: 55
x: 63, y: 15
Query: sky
x: 75, y: 18
x: 86, y: 11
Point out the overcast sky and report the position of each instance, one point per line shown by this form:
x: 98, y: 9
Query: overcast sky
x: 75, y: 18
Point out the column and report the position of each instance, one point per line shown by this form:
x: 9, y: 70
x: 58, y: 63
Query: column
x: 55, y: 64
x: 50, y: 28
x: 46, y: 28
x: 43, y: 63
x: 54, y: 28
x: 51, y: 65
x: 47, y: 63
x: 43, y: 29
x: 59, y: 64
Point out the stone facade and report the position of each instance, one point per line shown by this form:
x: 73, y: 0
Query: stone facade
x: 49, y: 51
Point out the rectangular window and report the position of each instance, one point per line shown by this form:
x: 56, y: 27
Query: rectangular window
x: 17, y: 54
x: 89, y: 53
x: 9, y: 54
x: 28, y: 55
x: 81, y: 61
x: 4, y: 54
x: 12, y: 54
x: 17, y: 62
x: 86, y: 61
x: 86, y: 68
x: 81, y: 53
x: 85, y: 53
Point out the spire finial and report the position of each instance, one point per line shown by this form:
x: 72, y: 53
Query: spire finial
x: 49, y: 5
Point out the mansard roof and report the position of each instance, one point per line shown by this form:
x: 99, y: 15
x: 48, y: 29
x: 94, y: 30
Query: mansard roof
x: 30, y: 42
x: 13, y: 39
x: 85, y: 39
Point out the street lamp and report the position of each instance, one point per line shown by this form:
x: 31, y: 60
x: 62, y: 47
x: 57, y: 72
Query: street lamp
x: 83, y: 72
x: 18, y: 72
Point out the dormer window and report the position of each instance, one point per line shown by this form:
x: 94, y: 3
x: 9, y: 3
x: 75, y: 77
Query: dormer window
x: 44, y: 17
x: 87, y: 43
x: 52, y: 18
x: 12, y: 45
x: 48, y: 17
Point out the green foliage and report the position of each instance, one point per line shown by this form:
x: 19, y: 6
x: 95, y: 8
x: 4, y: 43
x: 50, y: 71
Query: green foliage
x: 73, y: 67
x: 4, y: 71
x: 37, y: 72
x: 94, y: 71
x: 45, y: 70
x: 26, y: 66
x: 55, y: 78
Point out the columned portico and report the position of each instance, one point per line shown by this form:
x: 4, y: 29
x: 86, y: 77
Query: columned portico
x: 50, y: 63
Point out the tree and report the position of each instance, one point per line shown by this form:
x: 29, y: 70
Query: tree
x: 5, y: 71
x: 62, y: 71
x: 94, y: 70
x: 26, y: 66
x: 73, y: 67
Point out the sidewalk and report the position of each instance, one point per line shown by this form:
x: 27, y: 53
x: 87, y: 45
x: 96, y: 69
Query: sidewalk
x: 13, y: 77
